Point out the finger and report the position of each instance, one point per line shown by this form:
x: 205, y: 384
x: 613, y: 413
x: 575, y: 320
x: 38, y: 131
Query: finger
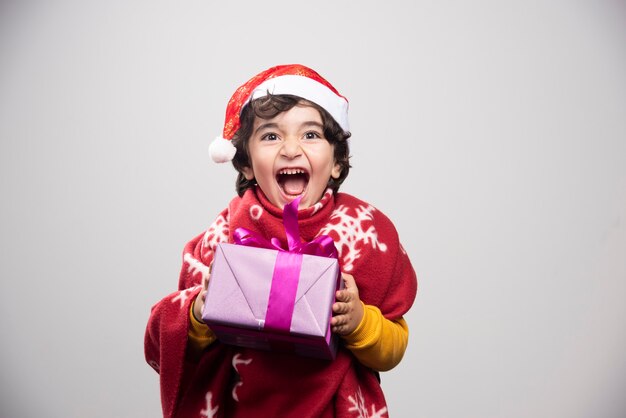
x: 342, y: 296
x: 338, y: 321
x: 339, y: 329
x: 340, y: 308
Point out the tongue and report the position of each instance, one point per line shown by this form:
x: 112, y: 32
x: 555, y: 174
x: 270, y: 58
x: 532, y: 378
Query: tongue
x: 294, y: 185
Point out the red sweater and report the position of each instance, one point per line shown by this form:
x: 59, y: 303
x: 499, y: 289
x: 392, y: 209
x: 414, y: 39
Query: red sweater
x: 227, y: 381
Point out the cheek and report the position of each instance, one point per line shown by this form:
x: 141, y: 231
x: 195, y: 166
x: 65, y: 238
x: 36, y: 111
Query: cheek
x: 255, y: 157
x: 263, y: 168
x: 323, y: 155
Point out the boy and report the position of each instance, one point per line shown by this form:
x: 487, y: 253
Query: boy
x: 286, y: 132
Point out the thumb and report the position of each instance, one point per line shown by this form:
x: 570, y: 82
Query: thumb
x: 348, y: 281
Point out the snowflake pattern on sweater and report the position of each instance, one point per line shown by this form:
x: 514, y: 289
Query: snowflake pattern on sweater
x: 351, y: 232
x: 237, y: 362
x: 359, y: 407
x: 217, y: 232
x: 210, y: 411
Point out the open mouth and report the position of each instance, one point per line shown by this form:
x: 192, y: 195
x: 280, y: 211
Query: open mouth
x: 292, y: 181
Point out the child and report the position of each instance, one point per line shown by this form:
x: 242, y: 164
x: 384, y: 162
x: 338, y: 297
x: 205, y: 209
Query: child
x: 286, y: 132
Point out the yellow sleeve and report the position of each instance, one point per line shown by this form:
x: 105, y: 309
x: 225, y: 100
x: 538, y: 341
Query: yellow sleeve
x: 200, y: 335
x: 378, y: 343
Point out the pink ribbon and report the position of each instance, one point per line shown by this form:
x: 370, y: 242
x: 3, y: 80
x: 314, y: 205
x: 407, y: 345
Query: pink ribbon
x: 282, y: 297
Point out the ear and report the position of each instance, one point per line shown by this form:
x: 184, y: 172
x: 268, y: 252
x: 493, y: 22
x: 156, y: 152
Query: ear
x: 336, y: 172
x: 248, y: 173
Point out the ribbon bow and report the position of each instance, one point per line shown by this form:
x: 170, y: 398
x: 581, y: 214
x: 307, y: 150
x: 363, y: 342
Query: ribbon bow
x: 322, y: 246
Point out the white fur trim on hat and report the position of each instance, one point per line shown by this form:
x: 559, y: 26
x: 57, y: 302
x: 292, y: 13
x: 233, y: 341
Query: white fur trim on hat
x: 309, y: 89
x: 221, y: 150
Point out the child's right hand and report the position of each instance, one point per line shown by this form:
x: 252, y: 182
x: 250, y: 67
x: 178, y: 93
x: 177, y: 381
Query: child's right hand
x: 198, y: 304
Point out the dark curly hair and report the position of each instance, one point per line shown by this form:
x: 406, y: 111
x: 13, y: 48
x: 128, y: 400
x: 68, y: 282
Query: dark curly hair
x: 270, y: 106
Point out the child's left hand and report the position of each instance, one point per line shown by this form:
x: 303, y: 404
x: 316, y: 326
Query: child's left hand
x: 348, y: 309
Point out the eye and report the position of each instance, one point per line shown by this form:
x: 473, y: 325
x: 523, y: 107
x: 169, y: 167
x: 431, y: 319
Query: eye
x: 269, y: 137
x: 312, y: 135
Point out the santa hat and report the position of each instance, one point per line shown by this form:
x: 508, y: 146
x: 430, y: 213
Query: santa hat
x: 293, y: 79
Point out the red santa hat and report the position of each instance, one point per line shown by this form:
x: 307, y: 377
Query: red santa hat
x: 293, y: 79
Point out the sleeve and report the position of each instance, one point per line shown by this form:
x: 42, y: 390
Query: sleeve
x: 371, y: 251
x: 165, y: 343
x: 166, y: 338
x: 378, y: 343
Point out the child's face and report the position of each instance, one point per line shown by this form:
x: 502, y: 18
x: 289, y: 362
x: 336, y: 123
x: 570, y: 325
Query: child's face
x: 290, y: 157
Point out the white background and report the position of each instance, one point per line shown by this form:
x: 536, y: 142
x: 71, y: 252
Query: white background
x: 493, y: 133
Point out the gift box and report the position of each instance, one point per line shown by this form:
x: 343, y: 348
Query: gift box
x: 273, y: 299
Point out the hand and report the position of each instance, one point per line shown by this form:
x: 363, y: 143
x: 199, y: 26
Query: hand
x: 348, y: 309
x: 198, y: 304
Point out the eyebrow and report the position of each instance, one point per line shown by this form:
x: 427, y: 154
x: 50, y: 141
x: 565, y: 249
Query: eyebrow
x: 312, y: 123
x: 273, y: 125
x: 265, y: 126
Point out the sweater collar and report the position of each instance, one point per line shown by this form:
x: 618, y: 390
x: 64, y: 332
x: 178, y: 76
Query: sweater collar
x: 324, y: 204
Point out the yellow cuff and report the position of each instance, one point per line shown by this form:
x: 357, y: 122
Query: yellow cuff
x: 368, y: 329
x: 377, y: 342
x: 200, y: 335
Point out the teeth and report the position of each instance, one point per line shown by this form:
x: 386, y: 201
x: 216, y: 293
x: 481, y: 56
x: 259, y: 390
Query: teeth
x: 291, y: 171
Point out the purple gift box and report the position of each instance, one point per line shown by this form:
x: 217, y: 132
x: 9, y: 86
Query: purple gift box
x: 254, y: 299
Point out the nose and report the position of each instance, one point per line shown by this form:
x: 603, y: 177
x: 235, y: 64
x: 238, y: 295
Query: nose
x: 291, y: 148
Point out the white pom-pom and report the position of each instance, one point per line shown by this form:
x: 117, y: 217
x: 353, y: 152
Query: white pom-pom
x: 221, y: 150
